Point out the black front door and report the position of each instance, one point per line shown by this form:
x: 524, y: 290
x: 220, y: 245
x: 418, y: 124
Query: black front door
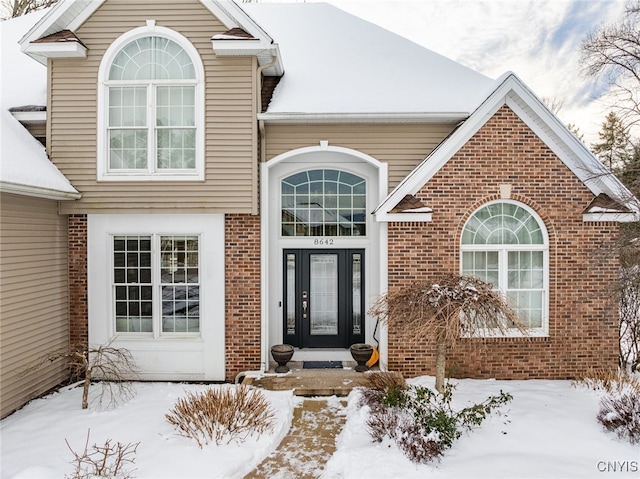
x: 323, y: 297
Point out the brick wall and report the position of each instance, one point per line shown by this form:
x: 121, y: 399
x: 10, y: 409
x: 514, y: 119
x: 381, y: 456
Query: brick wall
x: 582, y: 321
x: 78, y: 304
x: 242, y: 283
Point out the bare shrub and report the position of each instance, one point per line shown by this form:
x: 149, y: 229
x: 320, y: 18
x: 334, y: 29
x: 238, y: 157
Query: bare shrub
x: 609, y: 380
x: 419, y: 445
x: 621, y: 414
x: 216, y: 414
x: 108, y: 460
x: 629, y: 285
x: 378, y: 386
x: 384, y: 422
x: 370, y: 397
x: 114, y: 368
x: 385, y: 380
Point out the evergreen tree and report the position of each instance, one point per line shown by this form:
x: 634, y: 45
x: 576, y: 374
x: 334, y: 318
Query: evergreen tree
x: 614, y: 147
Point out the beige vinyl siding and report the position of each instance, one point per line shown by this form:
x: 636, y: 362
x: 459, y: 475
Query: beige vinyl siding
x: 34, y: 311
x: 230, y: 183
x: 402, y: 147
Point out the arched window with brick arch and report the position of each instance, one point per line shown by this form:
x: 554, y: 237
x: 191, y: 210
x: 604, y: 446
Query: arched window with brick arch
x: 505, y: 243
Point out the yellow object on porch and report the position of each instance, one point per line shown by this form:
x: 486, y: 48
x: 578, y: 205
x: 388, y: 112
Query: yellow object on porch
x: 374, y: 357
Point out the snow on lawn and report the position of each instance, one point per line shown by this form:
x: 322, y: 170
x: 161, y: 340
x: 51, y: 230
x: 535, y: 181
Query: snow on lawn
x: 549, y: 429
x: 33, y: 439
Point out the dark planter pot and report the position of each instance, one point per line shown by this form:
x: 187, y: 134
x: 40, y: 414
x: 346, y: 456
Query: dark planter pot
x: 361, y: 353
x: 282, y: 354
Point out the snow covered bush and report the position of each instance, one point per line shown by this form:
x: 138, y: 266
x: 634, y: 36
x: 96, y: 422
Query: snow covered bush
x: 620, y: 413
x: 216, y: 414
x: 421, y: 421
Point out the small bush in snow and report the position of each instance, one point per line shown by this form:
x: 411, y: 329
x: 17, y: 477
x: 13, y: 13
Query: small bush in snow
x: 620, y: 413
x: 381, y: 389
x: 384, y: 422
x: 422, y: 422
x: 109, y: 460
x: 224, y: 413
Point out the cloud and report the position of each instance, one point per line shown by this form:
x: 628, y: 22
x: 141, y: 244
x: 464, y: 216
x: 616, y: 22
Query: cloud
x: 539, y: 40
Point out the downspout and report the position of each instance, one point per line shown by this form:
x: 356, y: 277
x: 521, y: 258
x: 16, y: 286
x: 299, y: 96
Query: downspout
x: 264, y: 332
x: 263, y: 142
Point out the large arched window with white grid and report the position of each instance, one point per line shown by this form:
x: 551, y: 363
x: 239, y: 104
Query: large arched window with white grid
x: 505, y: 243
x: 151, y: 108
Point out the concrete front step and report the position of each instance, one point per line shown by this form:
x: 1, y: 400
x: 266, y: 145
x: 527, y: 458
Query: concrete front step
x: 311, y: 382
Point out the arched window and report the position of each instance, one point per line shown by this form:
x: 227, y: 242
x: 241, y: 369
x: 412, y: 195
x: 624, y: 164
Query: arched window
x: 324, y: 202
x: 505, y: 243
x: 151, y: 108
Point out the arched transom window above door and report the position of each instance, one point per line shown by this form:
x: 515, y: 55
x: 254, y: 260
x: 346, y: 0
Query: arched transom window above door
x: 505, y: 243
x: 323, y: 202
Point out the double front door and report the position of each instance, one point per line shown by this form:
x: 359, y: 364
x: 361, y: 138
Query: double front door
x: 323, y: 297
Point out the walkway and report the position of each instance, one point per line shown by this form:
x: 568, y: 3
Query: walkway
x: 317, y: 420
x: 310, y: 443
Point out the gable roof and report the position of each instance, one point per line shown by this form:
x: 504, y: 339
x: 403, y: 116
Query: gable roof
x: 511, y: 91
x: 342, y: 68
x: 24, y: 166
x: 40, y: 42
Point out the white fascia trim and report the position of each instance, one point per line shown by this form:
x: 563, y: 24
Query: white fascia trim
x: 38, y: 192
x: 265, y: 52
x: 614, y: 217
x: 69, y: 49
x: 574, y: 153
x: 404, y: 217
x: 30, y: 117
x: 571, y: 151
x: 64, y: 15
x: 232, y: 15
x: 239, y: 47
x: 376, y: 117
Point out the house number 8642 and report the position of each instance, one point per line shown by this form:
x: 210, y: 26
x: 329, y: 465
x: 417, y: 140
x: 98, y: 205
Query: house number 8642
x: 323, y: 242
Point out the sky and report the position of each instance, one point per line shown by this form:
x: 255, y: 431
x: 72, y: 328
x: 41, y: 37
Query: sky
x: 538, y: 40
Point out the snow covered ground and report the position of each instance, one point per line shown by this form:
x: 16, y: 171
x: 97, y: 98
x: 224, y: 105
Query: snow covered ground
x: 549, y: 430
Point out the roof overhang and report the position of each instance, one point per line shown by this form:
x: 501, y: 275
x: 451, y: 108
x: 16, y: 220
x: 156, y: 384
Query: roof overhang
x: 64, y: 15
x: 38, y: 192
x: 380, y: 117
x: 30, y: 117
x: 268, y: 54
x: 511, y: 91
x: 615, y: 217
x: 45, y: 50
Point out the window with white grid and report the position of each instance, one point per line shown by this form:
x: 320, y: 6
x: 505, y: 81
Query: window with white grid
x: 153, y: 114
x: 505, y: 243
x: 156, y: 284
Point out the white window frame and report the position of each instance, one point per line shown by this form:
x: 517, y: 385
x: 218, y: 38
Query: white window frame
x: 156, y: 287
x: 151, y: 173
x: 503, y: 264
x: 171, y: 356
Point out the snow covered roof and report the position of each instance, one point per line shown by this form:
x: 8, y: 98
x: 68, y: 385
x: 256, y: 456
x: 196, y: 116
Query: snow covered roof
x: 24, y: 165
x: 511, y: 91
x: 340, y: 67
